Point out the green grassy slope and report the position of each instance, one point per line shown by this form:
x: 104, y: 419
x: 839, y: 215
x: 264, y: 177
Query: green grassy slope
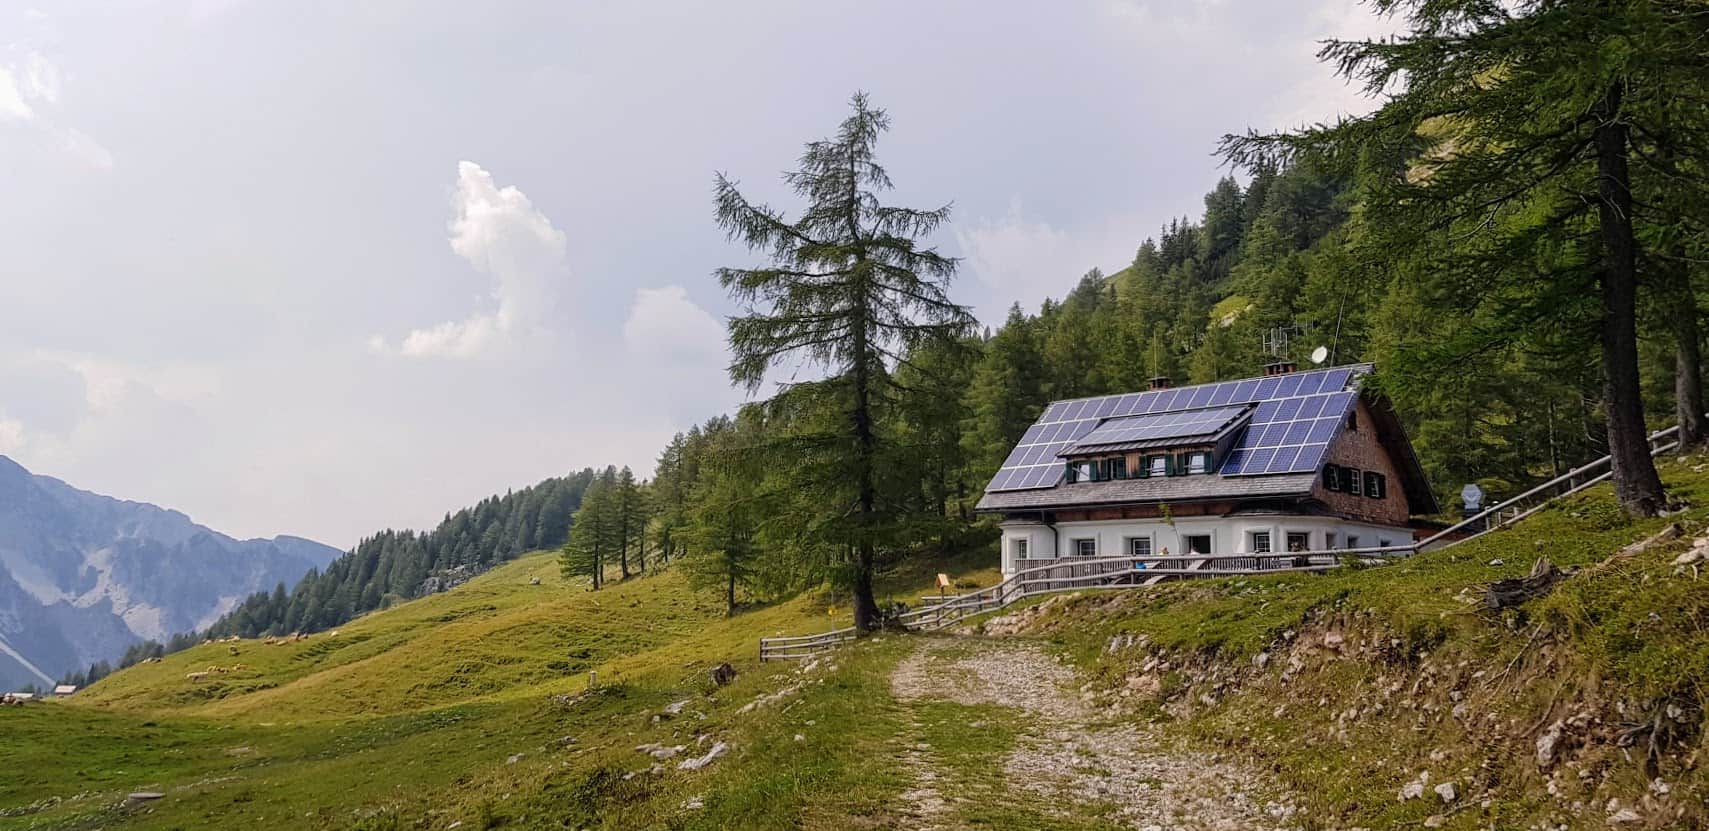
x: 473, y: 706
x: 1352, y: 684
x: 468, y: 706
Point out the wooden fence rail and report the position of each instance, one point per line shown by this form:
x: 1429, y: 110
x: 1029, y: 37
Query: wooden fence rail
x: 1105, y: 573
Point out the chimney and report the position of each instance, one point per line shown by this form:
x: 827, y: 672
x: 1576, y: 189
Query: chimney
x: 1280, y: 368
x: 1161, y: 382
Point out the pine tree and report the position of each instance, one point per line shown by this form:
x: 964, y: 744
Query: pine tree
x: 1513, y: 129
x: 850, y: 288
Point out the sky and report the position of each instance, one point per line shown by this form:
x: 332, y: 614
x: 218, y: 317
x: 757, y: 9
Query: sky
x: 325, y: 267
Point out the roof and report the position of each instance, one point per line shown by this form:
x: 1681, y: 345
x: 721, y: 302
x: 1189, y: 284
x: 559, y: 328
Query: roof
x: 1160, y: 430
x: 1285, y: 425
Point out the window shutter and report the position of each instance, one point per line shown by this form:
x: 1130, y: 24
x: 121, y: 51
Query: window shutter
x: 1072, y: 475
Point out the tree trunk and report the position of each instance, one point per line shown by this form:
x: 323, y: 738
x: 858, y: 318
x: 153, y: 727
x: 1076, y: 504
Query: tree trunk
x: 730, y: 594
x: 866, y: 617
x: 623, y: 542
x: 1688, y: 362
x: 1636, y: 483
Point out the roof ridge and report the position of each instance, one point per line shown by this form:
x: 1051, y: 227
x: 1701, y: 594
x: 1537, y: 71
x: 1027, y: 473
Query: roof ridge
x: 1366, y: 365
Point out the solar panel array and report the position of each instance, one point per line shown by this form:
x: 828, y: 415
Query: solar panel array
x: 1034, y: 463
x: 1161, y: 426
x: 1289, y: 435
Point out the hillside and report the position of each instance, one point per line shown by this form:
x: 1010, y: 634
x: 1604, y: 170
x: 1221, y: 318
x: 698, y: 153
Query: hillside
x: 1306, y: 700
x: 83, y: 576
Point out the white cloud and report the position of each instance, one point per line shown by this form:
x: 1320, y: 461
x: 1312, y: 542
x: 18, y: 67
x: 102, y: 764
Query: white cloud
x: 665, y: 324
x: 1024, y: 259
x: 30, y: 89
x: 11, y: 436
x: 500, y: 233
x: 12, y: 104
x: 41, y: 78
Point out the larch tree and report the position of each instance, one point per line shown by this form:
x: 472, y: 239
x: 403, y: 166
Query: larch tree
x: 851, y: 289
x: 593, y: 537
x: 1512, y: 141
x: 731, y: 501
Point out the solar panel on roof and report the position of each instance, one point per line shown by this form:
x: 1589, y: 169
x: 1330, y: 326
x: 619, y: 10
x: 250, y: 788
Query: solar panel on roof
x: 1290, y: 437
x: 1315, y: 403
x: 1161, y: 426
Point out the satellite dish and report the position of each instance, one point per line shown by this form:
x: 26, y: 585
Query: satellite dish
x: 1319, y: 354
x: 1472, y: 496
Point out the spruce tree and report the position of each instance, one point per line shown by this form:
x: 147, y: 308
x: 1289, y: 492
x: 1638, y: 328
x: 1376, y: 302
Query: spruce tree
x: 850, y: 288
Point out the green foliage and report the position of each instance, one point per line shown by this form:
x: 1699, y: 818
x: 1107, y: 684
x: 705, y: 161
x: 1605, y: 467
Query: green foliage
x: 852, y: 290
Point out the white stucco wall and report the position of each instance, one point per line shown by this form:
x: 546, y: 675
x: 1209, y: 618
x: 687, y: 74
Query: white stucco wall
x: 1229, y: 535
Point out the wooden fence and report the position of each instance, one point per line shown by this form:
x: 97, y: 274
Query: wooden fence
x: 1106, y: 573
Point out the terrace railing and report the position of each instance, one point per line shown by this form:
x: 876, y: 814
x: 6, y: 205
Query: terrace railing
x: 1105, y: 573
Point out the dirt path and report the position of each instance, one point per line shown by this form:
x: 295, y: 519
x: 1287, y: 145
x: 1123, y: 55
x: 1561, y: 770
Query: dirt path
x: 1064, y: 761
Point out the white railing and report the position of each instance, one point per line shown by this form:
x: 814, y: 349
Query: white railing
x: 1097, y: 573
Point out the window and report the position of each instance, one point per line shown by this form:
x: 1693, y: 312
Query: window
x: 1352, y: 541
x: 1260, y: 542
x: 1381, y: 543
x: 1086, y: 547
x: 1018, y: 547
x: 1082, y: 472
x: 1350, y: 480
x: 1198, y: 463
x: 1118, y: 467
x: 1329, y: 540
x: 1352, y: 419
x: 1299, y: 541
x: 1197, y: 543
x: 1157, y: 466
x: 1139, y: 546
x: 1332, y: 477
x: 1376, y: 485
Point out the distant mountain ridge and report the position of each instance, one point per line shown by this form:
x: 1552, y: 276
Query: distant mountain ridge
x: 82, y: 576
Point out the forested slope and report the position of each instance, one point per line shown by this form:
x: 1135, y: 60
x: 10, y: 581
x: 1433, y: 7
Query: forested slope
x: 398, y: 565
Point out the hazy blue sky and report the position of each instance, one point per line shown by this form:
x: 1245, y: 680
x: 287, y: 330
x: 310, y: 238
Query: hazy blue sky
x: 323, y: 267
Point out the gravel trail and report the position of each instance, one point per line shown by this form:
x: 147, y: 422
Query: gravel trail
x: 1072, y: 759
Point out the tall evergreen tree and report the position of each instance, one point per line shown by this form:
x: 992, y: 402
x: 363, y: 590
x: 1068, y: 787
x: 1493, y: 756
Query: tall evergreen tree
x: 594, y: 536
x: 1512, y: 128
x: 850, y: 288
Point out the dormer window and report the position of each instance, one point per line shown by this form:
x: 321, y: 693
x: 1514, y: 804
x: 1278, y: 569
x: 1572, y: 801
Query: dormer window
x: 1157, y: 466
